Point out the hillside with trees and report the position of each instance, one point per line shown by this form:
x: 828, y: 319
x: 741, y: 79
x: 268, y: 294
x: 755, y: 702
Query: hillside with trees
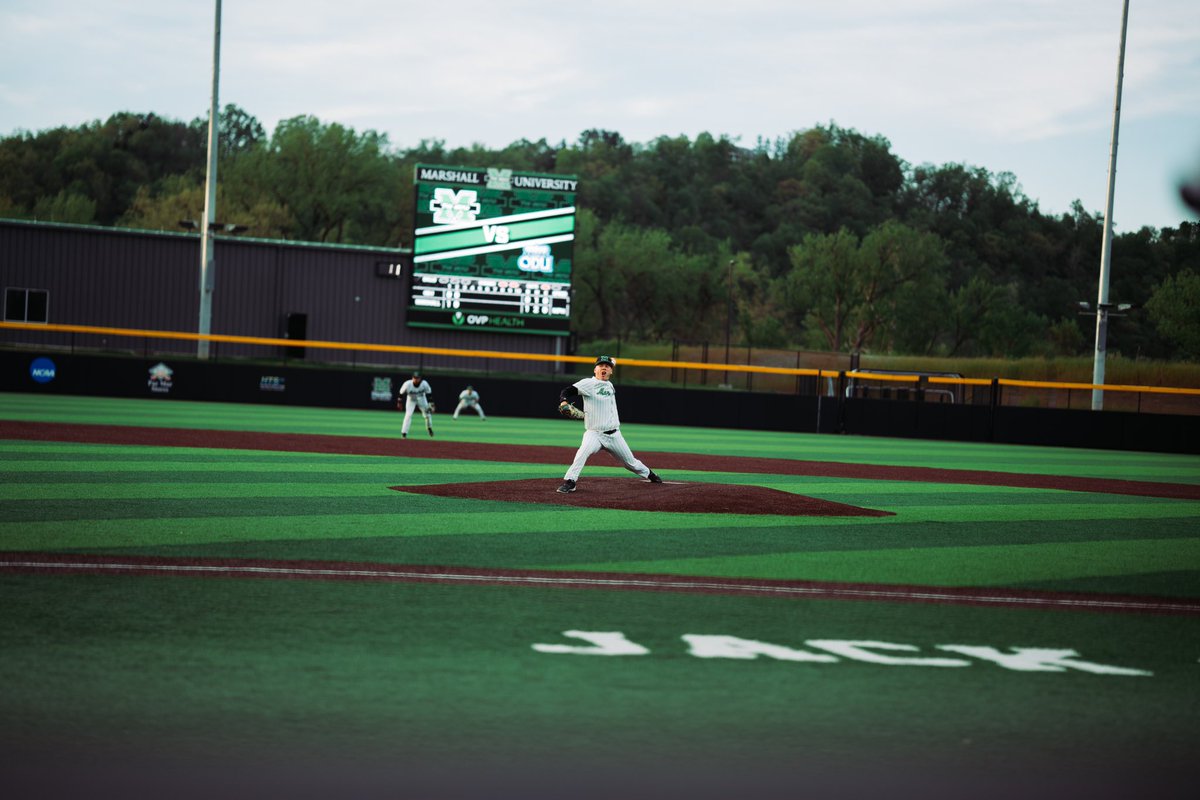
x: 825, y: 239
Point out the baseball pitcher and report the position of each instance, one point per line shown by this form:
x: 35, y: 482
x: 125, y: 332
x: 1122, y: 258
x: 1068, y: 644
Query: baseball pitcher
x: 603, y: 428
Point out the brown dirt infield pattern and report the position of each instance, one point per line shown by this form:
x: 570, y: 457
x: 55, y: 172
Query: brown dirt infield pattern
x: 634, y: 494
x: 81, y: 563
x: 660, y: 462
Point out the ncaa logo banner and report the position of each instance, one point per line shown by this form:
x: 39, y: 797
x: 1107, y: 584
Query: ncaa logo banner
x: 42, y: 370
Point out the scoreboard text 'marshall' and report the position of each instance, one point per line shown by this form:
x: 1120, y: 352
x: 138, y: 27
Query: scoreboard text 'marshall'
x: 492, y: 250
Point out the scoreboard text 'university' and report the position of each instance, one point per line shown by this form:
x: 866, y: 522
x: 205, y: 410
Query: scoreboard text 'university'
x: 492, y: 250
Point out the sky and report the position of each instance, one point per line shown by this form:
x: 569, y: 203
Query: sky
x: 1020, y: 86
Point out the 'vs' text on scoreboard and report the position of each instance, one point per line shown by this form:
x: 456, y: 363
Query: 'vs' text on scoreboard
x: 492, y: 250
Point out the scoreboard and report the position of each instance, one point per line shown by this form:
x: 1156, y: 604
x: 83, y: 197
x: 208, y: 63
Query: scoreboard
x: 492, y: 250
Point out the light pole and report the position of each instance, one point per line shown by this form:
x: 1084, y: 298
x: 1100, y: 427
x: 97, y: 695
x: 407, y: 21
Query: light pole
x: 1102, y: 304
x: 207, y: 267
x: 728, y: 319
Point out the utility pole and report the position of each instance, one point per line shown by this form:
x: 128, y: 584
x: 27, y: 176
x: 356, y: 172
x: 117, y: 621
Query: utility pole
x: 728, y: 318
x: 207, y: 267
x: 1102, y: 304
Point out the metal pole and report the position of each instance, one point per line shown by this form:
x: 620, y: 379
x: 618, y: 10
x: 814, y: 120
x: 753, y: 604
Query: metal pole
x: 1106, y: 245
x: 728, y: 317
x: 207, y: 267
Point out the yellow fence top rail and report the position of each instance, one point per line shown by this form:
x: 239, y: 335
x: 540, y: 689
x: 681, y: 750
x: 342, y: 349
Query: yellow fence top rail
x: 629, y: 362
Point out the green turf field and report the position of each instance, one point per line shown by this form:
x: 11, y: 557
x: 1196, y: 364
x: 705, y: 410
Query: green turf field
x: 120, y: 667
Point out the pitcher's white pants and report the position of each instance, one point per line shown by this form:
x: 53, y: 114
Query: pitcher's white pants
x: 612, y: 442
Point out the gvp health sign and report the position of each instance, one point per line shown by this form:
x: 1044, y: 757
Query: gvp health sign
x: 492, y: 250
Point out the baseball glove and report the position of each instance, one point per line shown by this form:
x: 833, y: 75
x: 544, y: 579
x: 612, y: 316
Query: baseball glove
x: 569, y: 411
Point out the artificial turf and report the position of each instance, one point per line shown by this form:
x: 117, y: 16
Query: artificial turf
x: 122, y: 668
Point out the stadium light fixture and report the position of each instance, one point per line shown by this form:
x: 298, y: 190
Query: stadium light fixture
x: 224, y: 227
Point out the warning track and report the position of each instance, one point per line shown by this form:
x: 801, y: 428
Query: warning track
x: 80, y: 564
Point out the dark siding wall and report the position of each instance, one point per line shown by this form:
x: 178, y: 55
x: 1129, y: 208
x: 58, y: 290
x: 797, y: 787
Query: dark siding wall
x: 150, y: 281
x: 95, y: 277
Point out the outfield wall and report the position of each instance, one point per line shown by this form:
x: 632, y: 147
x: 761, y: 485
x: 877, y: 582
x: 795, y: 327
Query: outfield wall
x: 535, y: 396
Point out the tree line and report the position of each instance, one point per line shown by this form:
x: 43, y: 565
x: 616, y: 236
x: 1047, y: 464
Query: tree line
x: 823, y: 239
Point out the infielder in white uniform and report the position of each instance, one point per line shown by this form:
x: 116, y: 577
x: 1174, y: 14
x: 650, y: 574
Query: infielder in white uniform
x: 417, y: 394
x: 603, y: 427
x: 469, y: 398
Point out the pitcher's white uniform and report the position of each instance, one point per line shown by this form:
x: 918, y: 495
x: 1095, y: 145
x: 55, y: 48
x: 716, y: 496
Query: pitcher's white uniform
x: 416, y: 393
x: 469, y: 398
x: 603, y: 429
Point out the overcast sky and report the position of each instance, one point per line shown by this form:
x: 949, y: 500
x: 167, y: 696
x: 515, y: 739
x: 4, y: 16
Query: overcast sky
x: 1020, y: 86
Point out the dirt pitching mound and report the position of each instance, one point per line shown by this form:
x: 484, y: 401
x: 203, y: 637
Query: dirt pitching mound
x: 631, y: 494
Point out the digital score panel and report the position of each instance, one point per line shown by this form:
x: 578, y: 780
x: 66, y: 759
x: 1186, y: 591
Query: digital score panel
x: 492, y: 250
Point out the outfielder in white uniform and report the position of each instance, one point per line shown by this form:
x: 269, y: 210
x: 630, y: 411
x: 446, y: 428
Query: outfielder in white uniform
x: 469, y: 398
x: 603, y: 427
x: 417, y: 394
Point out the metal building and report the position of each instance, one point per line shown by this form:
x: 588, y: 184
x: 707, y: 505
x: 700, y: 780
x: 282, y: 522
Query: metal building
x: 148, y: 280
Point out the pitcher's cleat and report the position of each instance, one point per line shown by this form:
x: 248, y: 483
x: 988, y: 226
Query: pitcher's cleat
x: 567, y: 487
x: 653, y: 478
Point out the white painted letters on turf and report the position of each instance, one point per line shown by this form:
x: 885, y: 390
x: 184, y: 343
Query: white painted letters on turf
x: 864, y: 651
x: 735, y: 647
x: 604, y: 644
x: 1018, y: 659
x: 1036, y: 659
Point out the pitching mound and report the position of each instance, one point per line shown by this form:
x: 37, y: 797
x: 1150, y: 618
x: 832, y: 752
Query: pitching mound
x: 632, y: 494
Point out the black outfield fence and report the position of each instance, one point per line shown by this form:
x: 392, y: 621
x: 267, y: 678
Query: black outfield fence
x: 920, y: 414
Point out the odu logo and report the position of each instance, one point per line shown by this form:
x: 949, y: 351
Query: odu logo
x: 42, y: 370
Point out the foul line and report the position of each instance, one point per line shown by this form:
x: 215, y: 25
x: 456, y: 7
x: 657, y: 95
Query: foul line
x: 530, y: 578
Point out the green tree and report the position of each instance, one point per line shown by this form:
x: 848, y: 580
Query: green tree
x: 602, y: 161
x: 239, y: 133
x: 337, y: 185
x: 1008, y: 329
x: 822, y: 292
x: 1066, y: 338
x: 182, y: 199
x: 1175, y: 309
x: 65, y: 207
x: 105, y: 163
x: 817, y: 181
x: 760, y: 320
x: 632, y: 283
x: 852, y: 293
